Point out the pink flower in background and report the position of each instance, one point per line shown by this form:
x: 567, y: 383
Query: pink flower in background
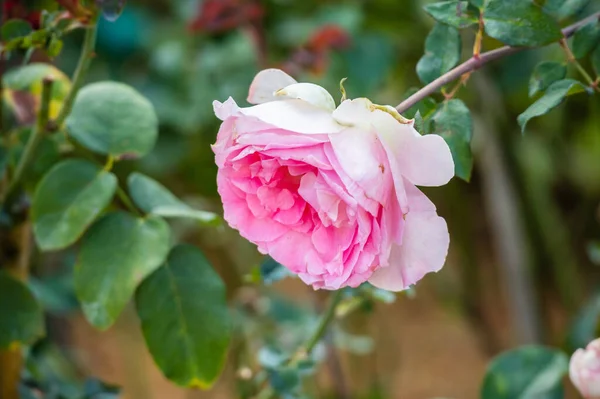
x: 328, y: 192
x: 584, y: 370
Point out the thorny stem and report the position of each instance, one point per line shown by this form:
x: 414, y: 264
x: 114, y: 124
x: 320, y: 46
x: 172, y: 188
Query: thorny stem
x: 313, y: 340
x: 328, y: 316
x: 33, y: 142
x: 572, y: 60
x: 476, y: 52
x: 85, y: 59
x: 474, y: 63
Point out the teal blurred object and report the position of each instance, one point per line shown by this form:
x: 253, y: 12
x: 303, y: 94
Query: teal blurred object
x: 118, y: 39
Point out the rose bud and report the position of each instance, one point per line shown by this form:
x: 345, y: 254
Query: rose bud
x: 330, y: 193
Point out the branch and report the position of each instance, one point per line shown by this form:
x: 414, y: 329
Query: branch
x: 33, y: 142
x: 474, y: 64
x: 323, y: 324
x: 313, y: 340
x: 85, y: 59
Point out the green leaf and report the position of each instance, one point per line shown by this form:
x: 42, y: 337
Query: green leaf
x: 152, y: 197
x: 442, y: 53
x: 586, y: 39
x: 524, y: 373
x: 21, y: 317
x: 453, y: 122
x: 47, y: 155
x: 55, y: 46
x: 14, y: 29
x: 55, y: 293
x: 185, y: 320
x: 544, y: 74
x: 477, y: 3
x: 453, y: 13
x: 562, y: 9
x: 554, y: 95
x: 113, y: 118
x: 596, y: 60
x: 420, y: 123
x: 519, y: 23
x: 67, y: 200
x: 29, y: 77
x: 425, y: 107
x: 116, y: 254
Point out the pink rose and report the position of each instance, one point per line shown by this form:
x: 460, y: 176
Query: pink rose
x: 584, y: 370
x: 330, y: 192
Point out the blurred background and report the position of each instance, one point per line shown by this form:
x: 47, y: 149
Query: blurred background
x: 524, y: 262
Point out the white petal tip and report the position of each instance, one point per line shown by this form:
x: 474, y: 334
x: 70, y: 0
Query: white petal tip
x: 266, y: 83
x: 310, y: 93
x: 224, y: 110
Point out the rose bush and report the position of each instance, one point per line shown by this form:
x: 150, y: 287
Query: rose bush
x: 584, y: 370
x: 328, y: 192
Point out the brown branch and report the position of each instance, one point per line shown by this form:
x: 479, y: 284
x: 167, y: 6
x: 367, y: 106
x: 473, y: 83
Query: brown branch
x: 474, y: 63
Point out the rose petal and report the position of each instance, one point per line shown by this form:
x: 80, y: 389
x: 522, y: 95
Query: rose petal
x: 423, y: 250
x: 423, y: 160
x: 295, y: 116
x: 224, y: 144
x: 292, y: 249
x: 354, y: 113
x: 309, y: 92
x: 266, y: 83
x: 352, y: 187
x: 333, y: 282
x: 313, y: 155
x: 238, y: 216
x: 225, y: 110
x: 278, y: 138
x: 392, y: 227
x: 363, y: 158
x: 292, y: 215
x: 358, y: 113
x: 320, y: 197
x: 584, y: 370
x: 331, y: 242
